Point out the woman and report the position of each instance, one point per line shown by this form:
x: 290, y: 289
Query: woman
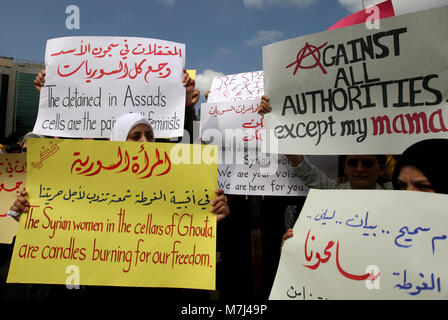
x: 362, y: 171
x: 422, y: 167
x: 132, y: 127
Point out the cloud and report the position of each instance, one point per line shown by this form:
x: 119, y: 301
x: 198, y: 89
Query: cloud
x: 265, y: 37
x: 168, y: 2
x: 258, y: 4
x: 356, y: 5
x: 222, y: 52
x: 409, y: 6
x: 204, y: 80
x: 400, y: 6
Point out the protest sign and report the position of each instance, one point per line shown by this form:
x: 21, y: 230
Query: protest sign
x: 236, y: 128
x: 366, y: 244
x: 360, y: 91
x: 237, y: 87
x: 122, y: 213
x: 12, y: 181
x: 192, y: 74
x: 90, y: 81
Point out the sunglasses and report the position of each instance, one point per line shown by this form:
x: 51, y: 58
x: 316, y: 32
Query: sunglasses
x: 366, y: 163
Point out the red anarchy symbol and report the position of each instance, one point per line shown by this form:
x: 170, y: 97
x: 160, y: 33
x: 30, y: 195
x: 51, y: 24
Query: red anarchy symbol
x: 308, y: 50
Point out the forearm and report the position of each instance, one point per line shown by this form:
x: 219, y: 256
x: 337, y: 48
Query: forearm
x: 313, y: 177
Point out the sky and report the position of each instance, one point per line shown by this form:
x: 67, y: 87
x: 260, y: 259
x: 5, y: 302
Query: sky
x: 221, y: 36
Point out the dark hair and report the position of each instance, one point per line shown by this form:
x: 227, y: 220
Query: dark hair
x: 429, y: 156
x: 381, y: 159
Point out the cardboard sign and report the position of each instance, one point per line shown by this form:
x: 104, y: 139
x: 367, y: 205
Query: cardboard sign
x: 237, y: 129
x: 120, y: 213
x: 90, y: 81
x: 237, y: 87
x: 360, y: 91
x: 366, y: 244
x: 12, y: 181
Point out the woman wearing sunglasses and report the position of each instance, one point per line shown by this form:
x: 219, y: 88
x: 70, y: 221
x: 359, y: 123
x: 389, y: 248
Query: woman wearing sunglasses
x: 363, y: 171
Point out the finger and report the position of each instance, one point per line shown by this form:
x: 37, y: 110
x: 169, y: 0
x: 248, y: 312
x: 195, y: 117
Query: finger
x: 22, y: 199
x: 224, y: 209
x: 265, y: 106
x: 217, y: 199
x: 220, y: 217
x: 287, y: 235
x: 219, y: 191
x: 41, y: 76
x: 218, y: 207
x: 18, y: 207
x: 187, y: 81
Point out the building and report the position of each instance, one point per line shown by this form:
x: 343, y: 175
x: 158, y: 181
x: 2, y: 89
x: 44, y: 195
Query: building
x: 19, y: 100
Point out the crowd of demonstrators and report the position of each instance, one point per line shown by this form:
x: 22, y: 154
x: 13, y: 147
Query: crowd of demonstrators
x: 419, y: 168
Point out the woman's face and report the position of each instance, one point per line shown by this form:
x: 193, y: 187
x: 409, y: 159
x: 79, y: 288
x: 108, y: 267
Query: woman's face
x: 362, y: 171
x: 411, y: 178
x: 141, y: 133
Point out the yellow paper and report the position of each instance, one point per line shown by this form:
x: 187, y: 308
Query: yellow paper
x: 117, y: 213
x: 192, y: 74
x: 12, y: 180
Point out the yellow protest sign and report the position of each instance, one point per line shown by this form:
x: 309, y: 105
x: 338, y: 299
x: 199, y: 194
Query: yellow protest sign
x: 192, y: 73
x: 117, y: 213
x: 12, y: 180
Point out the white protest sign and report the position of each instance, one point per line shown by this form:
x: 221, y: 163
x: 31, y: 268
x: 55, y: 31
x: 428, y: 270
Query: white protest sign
x: 360, y: 91
x: 90, y: 81
x: 236, y: 128
x: 366, y: 244
x: 237, y: 87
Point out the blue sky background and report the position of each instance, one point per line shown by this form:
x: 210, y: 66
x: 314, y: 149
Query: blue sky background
x: 221, y: 37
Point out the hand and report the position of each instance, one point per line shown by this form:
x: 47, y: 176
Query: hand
x: 40, y: 80
x: 196, y: 96
x: 286, y: 236
x: 21, y: 205
x: 219, y: 205
x: 189, y: 88
x: 206, y: 95
x: 265, y: 106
